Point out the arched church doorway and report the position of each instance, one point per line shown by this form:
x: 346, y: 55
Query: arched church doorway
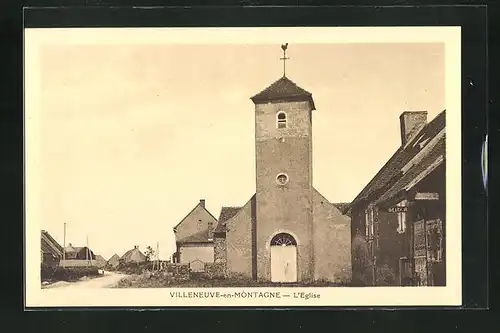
x: 283, y: 258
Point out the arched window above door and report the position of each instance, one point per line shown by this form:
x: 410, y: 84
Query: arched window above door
x: 283, y: 239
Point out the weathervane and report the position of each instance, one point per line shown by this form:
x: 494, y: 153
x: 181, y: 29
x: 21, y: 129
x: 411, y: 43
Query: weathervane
x: 284, y: 47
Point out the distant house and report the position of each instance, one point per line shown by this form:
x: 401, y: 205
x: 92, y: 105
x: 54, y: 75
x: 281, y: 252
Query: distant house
x: 194, y: 237
x: 79, y: 253
x: 51, y: 252
x: 133, y: 256
x: 100, y: 262
x: 113, y: 262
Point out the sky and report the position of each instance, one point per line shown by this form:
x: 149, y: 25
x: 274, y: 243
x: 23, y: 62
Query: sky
x: 133, y: 136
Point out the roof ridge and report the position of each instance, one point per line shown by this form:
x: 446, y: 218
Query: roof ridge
x: 399, y: 154
x: 240, y: 209
x: 192, y: 210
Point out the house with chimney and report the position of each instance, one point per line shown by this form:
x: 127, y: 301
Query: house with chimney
x: 194, y: 238
x: 398, y: 219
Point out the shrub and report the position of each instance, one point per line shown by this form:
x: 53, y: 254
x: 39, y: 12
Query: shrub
x: 67, y: 273
x: 134, y: 267
x: 386, y: 276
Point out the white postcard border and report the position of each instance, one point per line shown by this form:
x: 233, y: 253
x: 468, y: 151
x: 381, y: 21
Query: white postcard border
x: 450, y: 295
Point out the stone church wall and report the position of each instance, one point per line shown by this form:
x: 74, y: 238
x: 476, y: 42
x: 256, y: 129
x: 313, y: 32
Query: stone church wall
x: 239, y: 242
x: 332, y: 242
x: 220, y: 252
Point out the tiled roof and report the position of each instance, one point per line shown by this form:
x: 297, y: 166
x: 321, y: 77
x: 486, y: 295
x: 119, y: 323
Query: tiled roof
x: 50, y: 245
x: 100, y: 258
x: 133, y: 255
x: 225, y: 214
x: 437, y: 151
x: 199, y: 237
x: 391, y: 171
x: 114, y: 260
x: 74, y: 248
x: 283, y: 89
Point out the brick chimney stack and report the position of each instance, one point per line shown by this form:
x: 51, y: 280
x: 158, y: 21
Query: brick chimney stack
x: 411, y: 122
x: 202, y: 203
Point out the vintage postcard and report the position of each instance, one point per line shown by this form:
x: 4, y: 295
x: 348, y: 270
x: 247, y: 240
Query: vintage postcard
x: 243, y: 167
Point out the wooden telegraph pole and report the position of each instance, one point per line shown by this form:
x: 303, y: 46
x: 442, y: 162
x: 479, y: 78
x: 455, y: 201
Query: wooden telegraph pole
x: 64, y: 240
x: 158, y: 254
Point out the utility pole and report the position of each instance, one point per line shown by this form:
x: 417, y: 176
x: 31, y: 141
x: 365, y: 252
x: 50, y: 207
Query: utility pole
x: 64, y: 248
x: 87, y: 253
x: 158, y: 254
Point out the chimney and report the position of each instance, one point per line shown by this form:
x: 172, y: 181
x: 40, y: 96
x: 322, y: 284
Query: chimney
x: 136, y: 247
x: 210, y: 230
x: 202, y: 203
x: 411, y: 122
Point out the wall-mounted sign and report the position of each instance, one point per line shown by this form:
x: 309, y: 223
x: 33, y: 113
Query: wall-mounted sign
x: 427, y: 196
x: 397, y: 209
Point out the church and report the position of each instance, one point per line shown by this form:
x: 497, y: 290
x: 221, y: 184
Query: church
x: 287, y: 231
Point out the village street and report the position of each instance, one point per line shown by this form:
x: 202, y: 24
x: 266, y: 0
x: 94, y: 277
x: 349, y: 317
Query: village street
x: 108, y: 280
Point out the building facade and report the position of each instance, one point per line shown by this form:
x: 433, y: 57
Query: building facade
x: 398, y: 219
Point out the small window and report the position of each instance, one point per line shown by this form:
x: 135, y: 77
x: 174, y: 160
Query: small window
x: 402, y: 217
x: 369, y: 223
x: 281, y: 119
x: 282, y: 179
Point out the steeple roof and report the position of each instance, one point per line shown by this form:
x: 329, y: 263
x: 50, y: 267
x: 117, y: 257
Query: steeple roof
x: 283, y: 89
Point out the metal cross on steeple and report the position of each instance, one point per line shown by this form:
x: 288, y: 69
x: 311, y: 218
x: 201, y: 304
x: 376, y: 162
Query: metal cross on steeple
x: 284, y: 47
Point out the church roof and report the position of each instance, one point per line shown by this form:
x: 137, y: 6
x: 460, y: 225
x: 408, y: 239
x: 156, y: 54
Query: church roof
x: 341, y: 206
x: 199, y: 237
x: 283, y: 89
x: 225, y: 214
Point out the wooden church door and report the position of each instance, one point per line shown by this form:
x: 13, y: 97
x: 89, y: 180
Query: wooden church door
x: 283, y: 259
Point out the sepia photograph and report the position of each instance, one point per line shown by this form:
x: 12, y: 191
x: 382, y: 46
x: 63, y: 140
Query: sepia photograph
x: 242, y: 166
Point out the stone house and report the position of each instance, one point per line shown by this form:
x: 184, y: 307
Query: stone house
x: 398, y: 219
x: 78, y: 253
x: 113, y: 262
x: 194, y: 238
x: 133, y: 255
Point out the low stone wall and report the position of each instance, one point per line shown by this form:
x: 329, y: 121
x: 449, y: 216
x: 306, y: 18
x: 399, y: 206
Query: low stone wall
x: 179, y: 271
x: 78, y: 263
x: 215, y: 270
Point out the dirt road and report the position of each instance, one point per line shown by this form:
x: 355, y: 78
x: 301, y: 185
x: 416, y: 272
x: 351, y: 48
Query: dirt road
x: 107, y: 281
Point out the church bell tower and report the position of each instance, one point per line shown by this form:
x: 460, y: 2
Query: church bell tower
x: 283, y: 148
